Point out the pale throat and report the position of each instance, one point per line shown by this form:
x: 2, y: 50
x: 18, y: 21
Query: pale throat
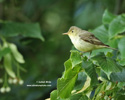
x: 74, y: 39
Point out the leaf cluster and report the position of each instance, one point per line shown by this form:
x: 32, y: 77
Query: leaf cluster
x: 102, y: 76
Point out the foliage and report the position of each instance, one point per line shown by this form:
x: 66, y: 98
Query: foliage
x: 104, y: 71
x: 10, y: 57
x: 10, y: 29
x: 24, y: 23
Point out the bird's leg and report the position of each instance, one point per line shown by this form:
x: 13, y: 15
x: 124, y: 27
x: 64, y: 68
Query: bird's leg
x: 81, y: 53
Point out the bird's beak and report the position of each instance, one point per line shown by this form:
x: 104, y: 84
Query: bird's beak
x: 65, y: 33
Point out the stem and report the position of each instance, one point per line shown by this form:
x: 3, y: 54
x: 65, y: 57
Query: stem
x: 18, y: 72
x: 5, y: 80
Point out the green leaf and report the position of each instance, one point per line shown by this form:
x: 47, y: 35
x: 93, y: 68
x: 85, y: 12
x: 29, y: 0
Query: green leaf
x: 8, y: 65
x: 103, y: 76
x: 53, y: 95
x: 113, y: 42
x: 101, y: 33
x: 10, y: 29
x: 4, y: 51
x: 101, y: 88
x: 80, y: 81
x: 121, y: 46
x: 86, y: 85
x: 107, y: 64
x: 69, y: 70
x: 118, y: 76
x: 68, y: 65
x: 17, y: 55
x: 107, y: 17
x: 117, y: 25
x: 121, y: 84
x: 66, y: 84
x: 79, y: 96
x: 104, y: 50
x: 75, y: 58
x: 122, y: 62
x: 90, y: 71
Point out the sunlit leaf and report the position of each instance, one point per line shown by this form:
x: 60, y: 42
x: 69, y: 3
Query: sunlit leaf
x: 68, y: 64
x: 79, y: 96
x: 17, y: 55
x: 75, y: 58
x: 86, y: 85
x: 66, y: 84
x: 8, y: 65
x: 53, y: 95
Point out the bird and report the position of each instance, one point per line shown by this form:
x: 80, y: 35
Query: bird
x: 83, y: 40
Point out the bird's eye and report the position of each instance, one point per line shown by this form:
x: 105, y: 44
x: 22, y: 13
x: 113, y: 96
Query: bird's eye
x: 72, y: 31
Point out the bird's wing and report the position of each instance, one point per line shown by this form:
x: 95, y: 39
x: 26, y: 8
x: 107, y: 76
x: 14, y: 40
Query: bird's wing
x: 89, y: 37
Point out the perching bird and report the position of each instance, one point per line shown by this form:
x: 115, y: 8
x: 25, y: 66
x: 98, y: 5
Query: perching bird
x: 83, y: 40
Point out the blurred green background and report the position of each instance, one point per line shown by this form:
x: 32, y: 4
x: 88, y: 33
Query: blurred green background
x: 44, y: 60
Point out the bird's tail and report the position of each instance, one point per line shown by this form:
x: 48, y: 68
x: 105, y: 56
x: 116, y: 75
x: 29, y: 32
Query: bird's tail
x: 112, y: 48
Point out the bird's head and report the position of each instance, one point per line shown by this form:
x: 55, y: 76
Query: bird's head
x: 73, y: 31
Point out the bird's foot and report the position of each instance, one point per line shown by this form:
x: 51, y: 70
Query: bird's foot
x: 81, y: 54
x: 87, y: 57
